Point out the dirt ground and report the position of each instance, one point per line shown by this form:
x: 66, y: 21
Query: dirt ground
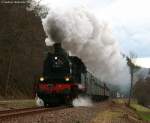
x: 102, y: 112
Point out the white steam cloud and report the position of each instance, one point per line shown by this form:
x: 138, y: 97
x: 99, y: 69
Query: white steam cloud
x: 82, y: 101
x: 39, y: 102
x: 80, y: 33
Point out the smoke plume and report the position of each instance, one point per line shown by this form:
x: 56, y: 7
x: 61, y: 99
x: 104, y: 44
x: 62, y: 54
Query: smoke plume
x: 84, y: 36
x: 82, y: 101
x: 39, y: 102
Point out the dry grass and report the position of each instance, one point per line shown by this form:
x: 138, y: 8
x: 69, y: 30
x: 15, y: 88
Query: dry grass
x: 106, y: 116
x: 17, y: 103
x: 114, y: 112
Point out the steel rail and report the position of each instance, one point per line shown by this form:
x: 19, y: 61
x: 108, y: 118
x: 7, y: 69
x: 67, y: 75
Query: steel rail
x: 6, y: 114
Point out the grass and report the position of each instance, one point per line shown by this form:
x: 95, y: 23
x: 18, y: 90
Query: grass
x: 143, y: 112
x: 120, y: 101
x: 17, y: 103
x: 139, y: 107
x: 144, y: 116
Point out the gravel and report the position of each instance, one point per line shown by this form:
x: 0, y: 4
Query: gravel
x: 68, y: 115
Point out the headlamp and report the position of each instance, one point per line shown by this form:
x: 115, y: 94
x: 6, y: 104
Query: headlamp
x: 67, y: 79
x: 55, y: 57
x: 41, y: 79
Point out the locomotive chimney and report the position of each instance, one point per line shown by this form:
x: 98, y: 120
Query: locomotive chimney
x: 59, y: 50
x: 57, y: 47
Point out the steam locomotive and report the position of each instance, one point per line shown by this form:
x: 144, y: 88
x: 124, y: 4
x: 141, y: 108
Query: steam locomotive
x: 65, y: 78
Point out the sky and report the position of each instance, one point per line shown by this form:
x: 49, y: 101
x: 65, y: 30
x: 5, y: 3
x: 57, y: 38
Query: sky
x: 129, y: 20
x: 143, y: 62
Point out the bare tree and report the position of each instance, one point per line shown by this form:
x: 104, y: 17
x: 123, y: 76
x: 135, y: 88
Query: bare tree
x: 132, y: 66
x: 40, y: 10
x: 9, y: 70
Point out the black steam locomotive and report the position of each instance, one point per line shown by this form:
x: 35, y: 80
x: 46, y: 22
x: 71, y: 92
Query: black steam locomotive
x: 65, y: 77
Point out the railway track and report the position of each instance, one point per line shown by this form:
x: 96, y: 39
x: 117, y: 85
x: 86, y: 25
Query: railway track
x: 6, y: 114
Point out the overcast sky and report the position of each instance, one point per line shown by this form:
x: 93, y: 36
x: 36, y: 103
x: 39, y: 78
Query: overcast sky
x: 129, y: 19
